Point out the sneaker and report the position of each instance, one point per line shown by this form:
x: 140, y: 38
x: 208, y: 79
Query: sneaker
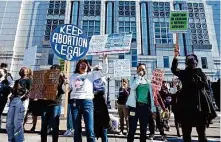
x: 68, y: 133
x: 151, y: 136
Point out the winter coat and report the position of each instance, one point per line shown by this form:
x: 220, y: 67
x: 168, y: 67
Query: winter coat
x: 193, y: 104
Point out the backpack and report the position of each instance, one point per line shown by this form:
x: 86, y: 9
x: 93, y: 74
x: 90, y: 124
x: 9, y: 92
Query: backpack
x: 98, y: 85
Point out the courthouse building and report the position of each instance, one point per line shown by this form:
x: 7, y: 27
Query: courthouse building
x: 28, y: 24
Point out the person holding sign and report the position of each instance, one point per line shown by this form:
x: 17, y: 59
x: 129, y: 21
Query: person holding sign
x: 194, y: 107
x: 141, y: 104
x: 52, y: 110
x: 82, y: 94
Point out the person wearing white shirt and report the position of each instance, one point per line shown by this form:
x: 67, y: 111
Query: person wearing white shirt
x: 81, y: 97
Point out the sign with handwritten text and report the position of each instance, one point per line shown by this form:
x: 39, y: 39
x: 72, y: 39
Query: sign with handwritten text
x: 157, y: 79
x: 45, y: 83
x: 122, y: 68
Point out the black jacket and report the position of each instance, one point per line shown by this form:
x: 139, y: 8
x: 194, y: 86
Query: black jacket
x: 101, y: 115
x: 193, y: 103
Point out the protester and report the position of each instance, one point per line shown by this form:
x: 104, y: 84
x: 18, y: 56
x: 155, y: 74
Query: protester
x: 141, y: 104
x: 199, y: 111
x: 4, y: 90
x: 81, y: 86
x: 101, y: 116
x: 15, y: 117
x: 216, y: 92
x: 124, y: 92
x: 174, y: 109
x: 52, y: 110
x: 159, y: 104
x: 166, y: 96
x: 70, y: 130
x: 8, y: 75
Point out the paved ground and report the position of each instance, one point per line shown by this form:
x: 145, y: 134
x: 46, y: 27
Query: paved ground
x: 213, y: 134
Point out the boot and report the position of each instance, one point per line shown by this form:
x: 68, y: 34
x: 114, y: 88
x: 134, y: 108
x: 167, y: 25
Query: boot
x: 43, y: 139
x: 54, y: 138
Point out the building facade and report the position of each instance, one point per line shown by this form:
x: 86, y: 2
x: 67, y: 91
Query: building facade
x: 25, y: 24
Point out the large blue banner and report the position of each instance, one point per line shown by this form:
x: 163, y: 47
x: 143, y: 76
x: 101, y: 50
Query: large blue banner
x: 69, y: 42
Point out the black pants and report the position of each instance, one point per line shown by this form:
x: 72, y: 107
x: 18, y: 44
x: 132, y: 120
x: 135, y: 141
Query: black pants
x: 141, y: 113
x: 2, y: 105
x: 187, y: 129
x: 159, y: 122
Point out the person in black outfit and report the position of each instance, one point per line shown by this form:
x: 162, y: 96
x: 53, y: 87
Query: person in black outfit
x: 52, y: 111
x: 124, y: 92
x: 174, y: 109
x: 4, y: 90
x: 194, y: 105
x: 216, y: 92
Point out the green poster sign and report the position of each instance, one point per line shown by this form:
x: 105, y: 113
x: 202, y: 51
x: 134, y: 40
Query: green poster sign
x: 178, y: 21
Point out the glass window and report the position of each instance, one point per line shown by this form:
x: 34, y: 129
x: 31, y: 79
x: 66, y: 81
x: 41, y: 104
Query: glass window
x: 133, y: 24
x: 85, y: 28
x: 158, y: 41
x: 91, y: 23
x: 121, y: 56
x: 121, y: 29
x: 121, y: 24
x: 50, y: 59
x: 204, y: 62
x: 157, y: 25
x: 166, y: 62
x: 133, y: 29
x: 157, y: 30
x: 157, y: 35
x: 134, y: 58
x: 134, y: 64
x: 97, y: 28
x: 134, y: 51
x: 127, y: 29
x: 127, y: 24
x: 164, y: 40
x: 85, y: 23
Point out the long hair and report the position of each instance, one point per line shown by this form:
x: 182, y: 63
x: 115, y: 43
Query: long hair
x: 30, y: 73
x: 77, y: 69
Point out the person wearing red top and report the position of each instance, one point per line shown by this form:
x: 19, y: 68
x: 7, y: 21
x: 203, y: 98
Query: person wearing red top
x: 158, y: 102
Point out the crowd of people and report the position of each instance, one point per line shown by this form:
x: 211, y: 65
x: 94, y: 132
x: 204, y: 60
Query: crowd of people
x: 189, y: 99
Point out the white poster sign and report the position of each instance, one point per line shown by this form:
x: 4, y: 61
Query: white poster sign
x: 30, y: 56
x: 122, y: 68
x: 110, y: 44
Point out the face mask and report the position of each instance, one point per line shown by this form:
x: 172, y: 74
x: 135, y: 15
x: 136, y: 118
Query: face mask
x: 142, y: 73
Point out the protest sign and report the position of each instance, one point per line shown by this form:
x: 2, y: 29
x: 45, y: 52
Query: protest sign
x: 30, y: 55
x: 157, y: 79
x: 110, y: 44
x: 122, y: 68
x: 178, y: 21
x: 51, y: 84
x: 69, y: 42
x: 45, y: 83
x: 37, y: 90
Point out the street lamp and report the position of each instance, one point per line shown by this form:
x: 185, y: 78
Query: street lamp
x: 108, y: 93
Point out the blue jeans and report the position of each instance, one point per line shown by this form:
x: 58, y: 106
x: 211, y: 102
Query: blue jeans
x: 104, y: 138
x: 50, y: 117
x: 15, y: 119
x: 141, y: 113
x: 69, y: 118
x: 83, y: 107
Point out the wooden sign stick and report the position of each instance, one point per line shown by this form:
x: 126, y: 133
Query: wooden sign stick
x: 67, y: 73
